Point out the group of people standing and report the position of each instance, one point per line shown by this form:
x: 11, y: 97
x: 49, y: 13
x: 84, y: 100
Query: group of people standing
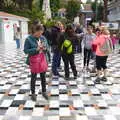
x: 62, y: 41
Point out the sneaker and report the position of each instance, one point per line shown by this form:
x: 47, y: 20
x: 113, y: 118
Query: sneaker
x: 93, y: 70
x: 67, y: 78
x: 88, y: 69
x: 59, y: 68
x: 45, y: 95
x: 33, y: 97
x: 57, y: 75
x: 97, y: 81
x: 60, y: 75
x: 84, y: 68
x: 104, y: 79
x: 75, y: 77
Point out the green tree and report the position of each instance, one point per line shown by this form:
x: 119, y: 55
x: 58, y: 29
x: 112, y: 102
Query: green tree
x: 24, y: 8
x: 55, y: 5
x: 97, y: 10
x: 102, y: 9
x: 73, y: 8
x: 40, y: 4
x: 16, y: 4
x: 100, y: 12
x: 35, y: 14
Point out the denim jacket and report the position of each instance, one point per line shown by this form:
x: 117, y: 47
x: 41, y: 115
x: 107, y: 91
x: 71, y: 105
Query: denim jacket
x: 30, y: 46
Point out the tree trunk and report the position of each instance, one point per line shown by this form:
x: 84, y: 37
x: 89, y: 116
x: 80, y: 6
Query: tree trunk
x: 105, y: 10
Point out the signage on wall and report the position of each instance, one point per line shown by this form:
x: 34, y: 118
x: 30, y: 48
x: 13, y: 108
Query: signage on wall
x: 5, y: 19
x: 112, y: 26
x: 109, y: 25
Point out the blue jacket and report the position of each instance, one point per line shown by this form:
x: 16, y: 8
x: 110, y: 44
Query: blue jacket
x: 30, y: 46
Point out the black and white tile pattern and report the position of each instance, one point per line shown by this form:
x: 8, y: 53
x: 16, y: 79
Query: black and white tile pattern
x: 79, y: 99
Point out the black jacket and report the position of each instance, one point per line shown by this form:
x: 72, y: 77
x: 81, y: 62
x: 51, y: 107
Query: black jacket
x: 56, y: 38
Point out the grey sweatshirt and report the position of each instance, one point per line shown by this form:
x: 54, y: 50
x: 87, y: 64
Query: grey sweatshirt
x: 88, y: 39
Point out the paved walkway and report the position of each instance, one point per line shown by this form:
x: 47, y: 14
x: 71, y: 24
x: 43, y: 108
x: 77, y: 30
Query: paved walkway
x: 79, y: 99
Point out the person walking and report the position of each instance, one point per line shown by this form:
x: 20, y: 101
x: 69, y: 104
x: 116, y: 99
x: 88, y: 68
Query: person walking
x: 36, y: 50
x: 78, y: 31
x: 67, y: 50
x: 18, y: 37
x: 119, y: 44
x: 87, y: 42
x: 114, y: 40
x: 104, y: 48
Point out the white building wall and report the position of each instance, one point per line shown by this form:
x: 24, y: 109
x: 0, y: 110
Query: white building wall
x: 7, y: 31
x: 24, y: 29
x: 114, y: 10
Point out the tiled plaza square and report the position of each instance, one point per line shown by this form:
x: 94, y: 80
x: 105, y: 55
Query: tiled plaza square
x: 79, y: 99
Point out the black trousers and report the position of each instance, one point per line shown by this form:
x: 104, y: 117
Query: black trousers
x: 80, y: 46
x: 33, y: 82
x: 69, y: 59
x: 87, y: 55
x: 101, y: 62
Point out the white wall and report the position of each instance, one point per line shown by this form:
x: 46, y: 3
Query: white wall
x: 24, y: 29
x: 9, y: 31
x: 8, y: 34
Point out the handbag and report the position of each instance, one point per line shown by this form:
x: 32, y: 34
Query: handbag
x: 38, y: 63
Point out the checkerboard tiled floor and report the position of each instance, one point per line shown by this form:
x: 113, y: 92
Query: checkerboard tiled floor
x: 79, y: 99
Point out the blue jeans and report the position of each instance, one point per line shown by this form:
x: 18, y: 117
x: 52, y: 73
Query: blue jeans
x: 55, y: 62
x: 59, y: 61
x: 18, y: 43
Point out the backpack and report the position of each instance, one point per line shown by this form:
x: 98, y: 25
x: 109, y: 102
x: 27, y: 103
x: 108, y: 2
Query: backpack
x: 107, y: 46
x: 67, y: 47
